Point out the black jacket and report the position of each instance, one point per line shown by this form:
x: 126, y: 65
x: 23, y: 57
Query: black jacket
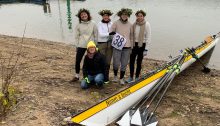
x: 95, y: 65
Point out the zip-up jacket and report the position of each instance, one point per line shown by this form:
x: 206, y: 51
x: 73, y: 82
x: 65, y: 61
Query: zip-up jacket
x: 103, y: 31
x: 95, y: 66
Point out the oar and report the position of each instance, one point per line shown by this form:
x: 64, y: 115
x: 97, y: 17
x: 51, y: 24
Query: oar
x: 175, y: 70
x: 168, y: 74
x: 147, y: 120
x: 156, y: 87
x: 143, y: 101
x: 192, y: 52
x: 138, y: 106
x: 162, y: 83
x: 153, y: 89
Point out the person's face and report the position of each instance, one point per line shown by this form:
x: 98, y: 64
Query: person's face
x: 124, y: 16
x: 92, y: 50
x: 140, y: 17
x: 84, y: 16
x: 106, y: 17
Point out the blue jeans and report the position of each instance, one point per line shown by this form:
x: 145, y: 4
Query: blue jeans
x: 98, y: 79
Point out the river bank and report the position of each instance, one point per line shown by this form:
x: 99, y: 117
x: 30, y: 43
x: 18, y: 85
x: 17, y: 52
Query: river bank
x: 45, y: 95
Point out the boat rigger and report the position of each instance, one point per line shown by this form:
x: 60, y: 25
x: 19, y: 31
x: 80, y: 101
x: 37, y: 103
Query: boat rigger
x: 119, y: 107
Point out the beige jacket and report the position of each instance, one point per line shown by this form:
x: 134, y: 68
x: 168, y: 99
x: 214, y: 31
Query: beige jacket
x: 124, y: 29
x: 85, y: 32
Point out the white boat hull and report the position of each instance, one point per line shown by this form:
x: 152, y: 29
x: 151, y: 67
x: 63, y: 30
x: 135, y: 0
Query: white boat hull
x: 112, y: 108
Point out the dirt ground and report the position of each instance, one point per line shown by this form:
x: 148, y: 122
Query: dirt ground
x: 45, y: 95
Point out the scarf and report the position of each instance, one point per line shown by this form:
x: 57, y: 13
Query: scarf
x: 123, y: 21
x: 141, y: 32
x: 85, y: 22
x: 106, y: 21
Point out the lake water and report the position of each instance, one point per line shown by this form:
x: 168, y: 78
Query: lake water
x: 176, y: 24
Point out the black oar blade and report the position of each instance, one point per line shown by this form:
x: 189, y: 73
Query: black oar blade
x: 206, y: 70
x: 192, y: 52
x: 151, y: 121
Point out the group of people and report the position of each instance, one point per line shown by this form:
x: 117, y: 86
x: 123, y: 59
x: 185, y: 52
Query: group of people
x: 121, y: 41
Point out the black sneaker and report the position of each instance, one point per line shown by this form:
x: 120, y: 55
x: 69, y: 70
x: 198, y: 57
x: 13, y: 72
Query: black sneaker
x: 74, y: 79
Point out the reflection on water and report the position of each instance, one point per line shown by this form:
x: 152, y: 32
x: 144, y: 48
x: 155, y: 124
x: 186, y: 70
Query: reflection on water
x: 46, y: 7
x: 69, y: 17
x: 44, y: 3
x: 55, y: 23
x: 23, y: 1
x: 176, y: 24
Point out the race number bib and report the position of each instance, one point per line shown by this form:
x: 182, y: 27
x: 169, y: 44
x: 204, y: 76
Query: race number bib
x: 118, y: 41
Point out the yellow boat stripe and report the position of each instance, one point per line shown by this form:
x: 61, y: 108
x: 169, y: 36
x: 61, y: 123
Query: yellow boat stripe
x: 117, y: 97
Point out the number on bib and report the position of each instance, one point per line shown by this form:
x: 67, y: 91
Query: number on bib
x: 118, y: 41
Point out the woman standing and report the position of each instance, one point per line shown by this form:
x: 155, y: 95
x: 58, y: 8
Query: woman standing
x: 123, y: 30
x: 104, y: 43
x: 86, y: 31
x: 142, y: 36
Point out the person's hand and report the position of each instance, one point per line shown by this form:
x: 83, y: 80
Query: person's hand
x: 87, y: 80
x: 106, y: 81
x: 112, y: 33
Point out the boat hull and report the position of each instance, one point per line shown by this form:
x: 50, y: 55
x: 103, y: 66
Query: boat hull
x: 114, y: 107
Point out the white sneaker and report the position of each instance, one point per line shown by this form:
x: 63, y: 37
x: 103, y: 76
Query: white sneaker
x: 115, y: 79
x: 122, y: 82
x: 76, y: 75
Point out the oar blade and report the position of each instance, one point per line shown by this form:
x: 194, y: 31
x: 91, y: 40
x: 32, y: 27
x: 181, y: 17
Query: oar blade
x: 152, y: 124
x: 125, y: 120
x: 206, y: 70
x: 136, y: 118
x: 152, y: 121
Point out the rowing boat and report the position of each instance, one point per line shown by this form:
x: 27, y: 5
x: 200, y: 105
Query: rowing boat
x: 111, y: 109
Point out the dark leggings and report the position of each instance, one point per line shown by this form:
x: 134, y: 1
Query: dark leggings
x: 79, y: 55
x: 136, y: 52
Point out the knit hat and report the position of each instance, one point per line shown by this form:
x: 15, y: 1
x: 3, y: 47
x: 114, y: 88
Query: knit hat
x: 91, y: 44
x: 140, y: 11
x: 125, y: 11
x: 105, y: 11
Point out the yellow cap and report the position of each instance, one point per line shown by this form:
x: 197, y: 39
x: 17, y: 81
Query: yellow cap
x: 91, y: 44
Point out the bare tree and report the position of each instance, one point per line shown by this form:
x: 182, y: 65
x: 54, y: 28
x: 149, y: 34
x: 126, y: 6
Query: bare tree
x: 9, y: 70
